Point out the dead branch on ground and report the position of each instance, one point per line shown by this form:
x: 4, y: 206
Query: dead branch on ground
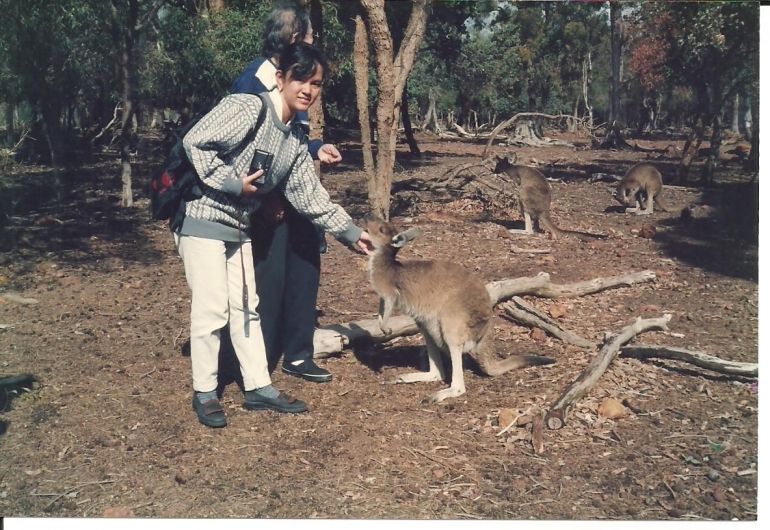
x: 528, y: 315
x: 520, y: 116
x: 699, y: 359
x: 556, y: 417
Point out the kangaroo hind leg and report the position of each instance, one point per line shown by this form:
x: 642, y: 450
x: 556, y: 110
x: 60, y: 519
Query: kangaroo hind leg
x: 435, y: 365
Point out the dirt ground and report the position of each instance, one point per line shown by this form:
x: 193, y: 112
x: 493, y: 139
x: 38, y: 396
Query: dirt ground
x: 93, y: 302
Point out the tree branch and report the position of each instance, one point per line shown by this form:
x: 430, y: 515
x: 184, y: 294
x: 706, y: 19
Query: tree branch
x: 699, y: 359
x: 556, y: 417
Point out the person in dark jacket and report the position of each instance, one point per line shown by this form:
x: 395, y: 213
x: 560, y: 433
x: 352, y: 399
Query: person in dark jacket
x: 287, y: 247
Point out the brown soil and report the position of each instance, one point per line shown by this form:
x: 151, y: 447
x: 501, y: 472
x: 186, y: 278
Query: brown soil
x: 109, y: 425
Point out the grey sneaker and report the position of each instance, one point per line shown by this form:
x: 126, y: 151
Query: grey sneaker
x: 307, y: 369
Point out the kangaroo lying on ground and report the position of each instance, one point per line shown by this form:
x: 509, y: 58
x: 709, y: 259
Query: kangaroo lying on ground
x: 450, y: 305
x: 642, y: 180
x: 534, y: 195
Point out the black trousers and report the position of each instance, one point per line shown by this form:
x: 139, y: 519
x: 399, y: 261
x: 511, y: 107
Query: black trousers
x: 287, y: 264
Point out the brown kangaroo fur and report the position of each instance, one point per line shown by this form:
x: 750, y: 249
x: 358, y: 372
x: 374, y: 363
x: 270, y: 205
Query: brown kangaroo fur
x: 450, y: 305
x: 642, y: 180
x: 534, y: 195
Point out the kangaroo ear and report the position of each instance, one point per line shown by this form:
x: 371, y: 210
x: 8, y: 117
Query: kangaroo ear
x: 399, y: 240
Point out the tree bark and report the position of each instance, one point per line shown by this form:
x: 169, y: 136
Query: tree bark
x: 124, y: 37
x: 380, y: 181
x: 753, y: 161
x: 616, y: 44
x: 361, y: 74
x: 316, y: 112
x: 392, y: 74
x: 10, y: 131
x: 407, y: 122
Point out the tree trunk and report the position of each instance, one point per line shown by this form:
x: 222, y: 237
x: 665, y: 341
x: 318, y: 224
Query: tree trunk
x: 10, y: 131
x: 431, y: 118
x: 689, y: 152
x: 391, y: 79
x: 707, y: 175
x: 316, y: 112
x: 407, y: 122
x: 587, y: 70
x: 124, y: 35
x: 616, y: 43
x: 736, y: 126
x: 752, y: 163
x: 361, y: 74
x: 379, y: 32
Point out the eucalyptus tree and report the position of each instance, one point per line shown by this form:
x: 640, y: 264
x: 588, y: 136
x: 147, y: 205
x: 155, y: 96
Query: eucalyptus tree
x: 715, y: 54
x: 392, y: 71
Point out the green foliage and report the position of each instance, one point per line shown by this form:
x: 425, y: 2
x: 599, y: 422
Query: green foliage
x: 195, y: 59
x: 714, y: 54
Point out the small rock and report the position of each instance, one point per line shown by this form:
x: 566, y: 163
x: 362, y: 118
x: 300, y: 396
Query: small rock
x: 180, y: 478
x: 505, y: 418
x: 538, y: 335
x: 648, y: 231
x: 611, y: 408
x: 719, y: 494
x: 713, y: 475
x: 675, y: 513
x: 557, y: 310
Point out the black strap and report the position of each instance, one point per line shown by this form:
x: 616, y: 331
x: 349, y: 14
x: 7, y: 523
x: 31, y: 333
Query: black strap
x: 245, y: 294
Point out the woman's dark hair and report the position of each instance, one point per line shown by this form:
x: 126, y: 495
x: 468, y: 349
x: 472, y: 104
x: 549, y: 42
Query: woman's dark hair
x: 301, y: 61
x: 282, y: 24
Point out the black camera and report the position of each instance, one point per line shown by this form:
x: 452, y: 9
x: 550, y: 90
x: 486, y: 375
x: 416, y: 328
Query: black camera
x: 261, y: 160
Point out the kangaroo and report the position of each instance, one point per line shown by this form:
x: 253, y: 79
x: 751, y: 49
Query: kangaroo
x: 534, y: 195
x: 642, y: 180
x: 450, y: 305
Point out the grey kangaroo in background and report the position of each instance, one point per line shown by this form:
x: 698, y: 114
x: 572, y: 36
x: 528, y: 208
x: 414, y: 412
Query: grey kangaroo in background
x: 450, y: 305
x: 642, y: 181
x: 534, y: 195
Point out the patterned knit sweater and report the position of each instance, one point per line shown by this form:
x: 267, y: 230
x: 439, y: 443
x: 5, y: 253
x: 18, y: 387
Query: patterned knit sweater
x: 217, y: 148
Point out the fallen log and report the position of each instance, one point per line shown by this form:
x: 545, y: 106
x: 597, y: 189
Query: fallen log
x: 556, y: 417
x: 335, y: 338
x: 699, y: 359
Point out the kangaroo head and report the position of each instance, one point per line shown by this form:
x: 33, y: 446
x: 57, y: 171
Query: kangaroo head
x: 504, y: 162
x: 624, y: 193
x: 384, y: 233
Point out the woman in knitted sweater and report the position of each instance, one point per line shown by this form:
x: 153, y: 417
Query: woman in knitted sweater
x: 213, y: 239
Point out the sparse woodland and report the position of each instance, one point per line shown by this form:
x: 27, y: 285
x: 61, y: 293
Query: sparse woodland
x: 651, y: 409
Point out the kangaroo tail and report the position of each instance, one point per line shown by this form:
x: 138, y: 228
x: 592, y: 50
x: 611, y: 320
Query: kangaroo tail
x: 545, y: 221
x: 662, y: 204
x: 494, y: 368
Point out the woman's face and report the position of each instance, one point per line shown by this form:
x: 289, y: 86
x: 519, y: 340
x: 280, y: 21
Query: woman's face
x: 299, y: 95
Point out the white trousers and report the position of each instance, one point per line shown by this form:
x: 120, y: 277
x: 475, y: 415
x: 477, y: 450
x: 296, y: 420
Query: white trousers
x: 216, y: 278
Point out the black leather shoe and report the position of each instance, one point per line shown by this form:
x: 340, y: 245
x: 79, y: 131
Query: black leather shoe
x: 282, y: 403
x: 210, y: 413
x: 307, y: 369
